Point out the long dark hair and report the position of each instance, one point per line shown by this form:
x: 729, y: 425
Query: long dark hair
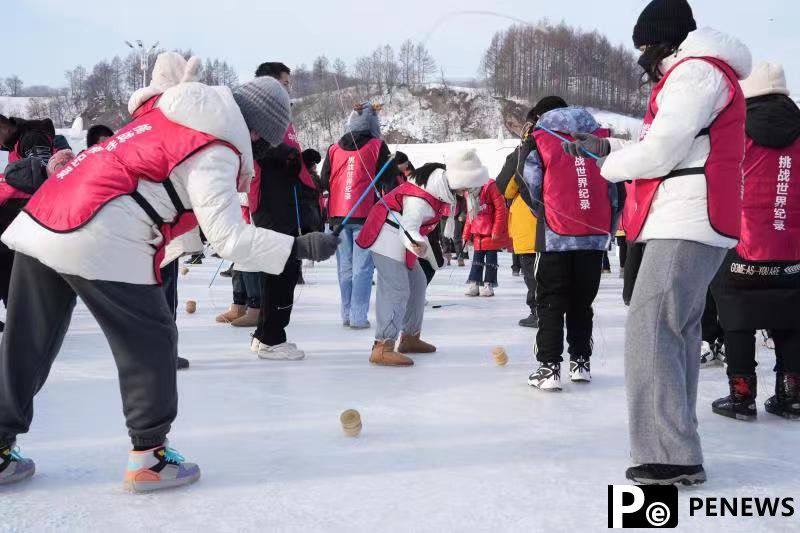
x: 423, y: 173
x: 651, y: 59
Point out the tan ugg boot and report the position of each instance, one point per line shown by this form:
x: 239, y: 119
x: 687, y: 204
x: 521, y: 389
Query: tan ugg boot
x: 383, y: 354
x: 413, y: 344
x: 248, y: 320
x: 234, y: 312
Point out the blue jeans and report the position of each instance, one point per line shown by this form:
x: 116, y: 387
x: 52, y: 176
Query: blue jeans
x: 479, y: 260
x: 355, y: 276
x: 247, y: 288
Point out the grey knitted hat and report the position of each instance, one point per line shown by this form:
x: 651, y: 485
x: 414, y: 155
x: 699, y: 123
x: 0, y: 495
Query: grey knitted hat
x: 266, y: 108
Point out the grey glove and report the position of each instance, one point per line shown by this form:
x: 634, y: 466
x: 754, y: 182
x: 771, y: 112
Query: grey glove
x: 587, y: 141
x: 315, y: 246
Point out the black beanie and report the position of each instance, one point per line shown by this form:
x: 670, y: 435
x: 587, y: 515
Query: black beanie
x: 548, y: 103
x: 664, y: 21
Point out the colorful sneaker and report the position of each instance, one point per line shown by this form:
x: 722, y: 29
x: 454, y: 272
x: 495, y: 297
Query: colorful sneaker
x: 14, y: 467
x: 158, y: 468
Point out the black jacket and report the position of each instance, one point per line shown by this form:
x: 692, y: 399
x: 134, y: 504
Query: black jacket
x: 773, y: 120
x: 280, y: 174
x: 515, y: 166
x: 351, y: 143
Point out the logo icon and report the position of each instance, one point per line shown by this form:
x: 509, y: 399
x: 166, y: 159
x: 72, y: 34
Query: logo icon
x: 642, y: 506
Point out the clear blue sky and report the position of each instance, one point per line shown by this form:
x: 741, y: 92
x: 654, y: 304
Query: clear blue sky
x: 44, y: 37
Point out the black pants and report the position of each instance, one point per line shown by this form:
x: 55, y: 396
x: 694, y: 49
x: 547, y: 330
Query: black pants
x: 427, y: 269
x: 277, y: 299
x: 137, y: 323
x: 169, y: 285
x: 606, y: 262
x: 515, y: 265
x: 527, y: 263
x: 632, y: 263
x: 622, y: 244
x: 566, y: 284
x: 740, y: 348
x: 712, y: 330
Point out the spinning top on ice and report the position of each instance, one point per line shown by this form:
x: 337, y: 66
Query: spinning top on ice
x: 500, y: 355
x: 184, y: 271
x: 351, y: 423
x: 191, y: 306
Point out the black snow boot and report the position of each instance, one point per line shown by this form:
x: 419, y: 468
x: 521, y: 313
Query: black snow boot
x: 786, y: 402
x: 741, y: 404
x: 183, y: 364
x: 658, y: 474
x: 531, y: 322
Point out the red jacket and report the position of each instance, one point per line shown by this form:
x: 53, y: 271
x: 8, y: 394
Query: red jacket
x: 489, y: 230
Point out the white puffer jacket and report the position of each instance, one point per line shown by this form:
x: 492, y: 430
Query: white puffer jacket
x: 392, y: 242
x: 116, y: 244
x: 692, y: 97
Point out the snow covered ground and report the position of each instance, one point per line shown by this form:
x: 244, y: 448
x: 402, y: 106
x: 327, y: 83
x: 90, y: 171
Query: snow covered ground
x: 455, y: 443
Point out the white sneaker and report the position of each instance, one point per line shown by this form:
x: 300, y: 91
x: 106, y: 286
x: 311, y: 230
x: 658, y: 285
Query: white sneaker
x: 255, y: 345
x: 547, y: 377
x: 579, y: 370
x: 708, y: 357
x: 472, y: 289
x: 281, y: 352
x: 487, y: 290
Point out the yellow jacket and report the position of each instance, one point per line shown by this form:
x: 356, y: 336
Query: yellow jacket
x: 521, y: 222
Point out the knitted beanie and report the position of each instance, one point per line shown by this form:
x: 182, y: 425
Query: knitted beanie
x: 364, y: 119
x: 548, y: 103
x: 664, y: 21
x: 266, y: 108
x: 766, y: 78
x: 465, y: 170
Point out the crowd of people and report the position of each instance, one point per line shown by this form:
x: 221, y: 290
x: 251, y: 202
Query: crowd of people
x: 702, y: 207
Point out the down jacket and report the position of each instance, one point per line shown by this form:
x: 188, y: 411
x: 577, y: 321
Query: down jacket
x: 488, y: 231
x: 566, y: 119
x: 393, y: 243
x: 116, y: 245
x: 692, y: 97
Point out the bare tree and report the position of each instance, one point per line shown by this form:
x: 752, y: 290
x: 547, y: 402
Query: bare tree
x: 426, y: 65
x: 406, y: 59
x: 14, y: 85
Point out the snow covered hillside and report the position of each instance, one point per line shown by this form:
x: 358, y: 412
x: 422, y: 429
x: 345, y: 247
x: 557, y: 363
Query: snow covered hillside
x: 434, y: 114
x: 454, y: 443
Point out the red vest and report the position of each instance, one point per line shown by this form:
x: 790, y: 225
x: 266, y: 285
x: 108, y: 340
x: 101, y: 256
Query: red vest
x: 291, y: 139
x: 379, y: 215
x: 723, y: 168
x: 254, y: 194
x: 351, y: 174
x: 576, y: 200
x: 771, y: 204
x: 148, y: 148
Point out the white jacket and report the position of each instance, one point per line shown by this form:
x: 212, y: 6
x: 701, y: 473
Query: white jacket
x: 116, y: 244
x: 692, y: 97
x: 392, y: 242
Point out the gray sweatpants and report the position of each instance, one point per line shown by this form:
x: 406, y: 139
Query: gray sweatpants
x: 135, y: 319
x: 399, y: 299
x: 662, y: 350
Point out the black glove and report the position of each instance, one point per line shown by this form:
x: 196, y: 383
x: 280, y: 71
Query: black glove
x: 586, y: 141
x: 26, y: 175
x: 315, y: 246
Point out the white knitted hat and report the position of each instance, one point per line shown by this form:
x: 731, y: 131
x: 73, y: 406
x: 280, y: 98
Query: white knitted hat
x: 465, y: 170
x: 766, y: 78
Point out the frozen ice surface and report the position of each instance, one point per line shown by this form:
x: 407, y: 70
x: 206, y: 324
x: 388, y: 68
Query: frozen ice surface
x: 454, y: 443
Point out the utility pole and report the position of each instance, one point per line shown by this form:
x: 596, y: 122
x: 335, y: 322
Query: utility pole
x: 144, y: 56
